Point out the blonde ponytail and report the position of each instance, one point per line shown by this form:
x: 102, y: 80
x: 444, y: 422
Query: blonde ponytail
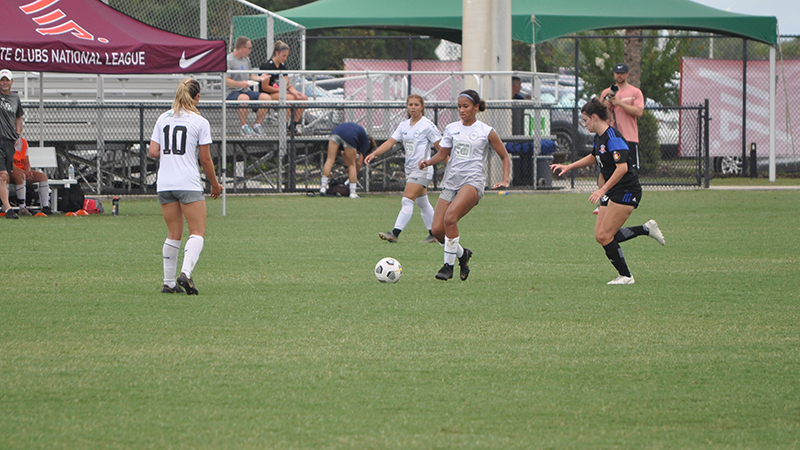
x: 185, y: 93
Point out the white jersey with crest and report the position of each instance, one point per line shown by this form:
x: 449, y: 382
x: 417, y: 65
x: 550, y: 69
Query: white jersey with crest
x: 417, y: 140
x: 467, y: 146
x: 179, y: 138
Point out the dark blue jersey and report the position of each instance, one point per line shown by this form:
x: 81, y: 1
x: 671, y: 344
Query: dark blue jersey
x: 610, y: 149
x: 354, y: 134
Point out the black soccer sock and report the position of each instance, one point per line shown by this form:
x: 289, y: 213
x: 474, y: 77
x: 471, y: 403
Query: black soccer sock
x: 629, y: 233
x: 616, y: 258
x: 397, y: 232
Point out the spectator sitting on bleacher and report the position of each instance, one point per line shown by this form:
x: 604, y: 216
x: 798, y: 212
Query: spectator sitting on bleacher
x: 278, y: 62
x: 238, y: 84
x: 22, y: 175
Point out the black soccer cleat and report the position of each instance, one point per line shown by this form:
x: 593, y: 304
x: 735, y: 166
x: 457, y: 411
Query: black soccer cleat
x: 463, y: 262
x: 187, y: 283
x: 171, y: 290
x: 445, y: 273
x: 388, y: 236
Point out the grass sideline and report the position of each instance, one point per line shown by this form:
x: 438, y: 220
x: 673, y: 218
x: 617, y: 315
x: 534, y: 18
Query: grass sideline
x: 292, y: 343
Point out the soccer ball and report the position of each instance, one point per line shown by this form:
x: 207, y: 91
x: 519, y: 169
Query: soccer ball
x: 388, y: 270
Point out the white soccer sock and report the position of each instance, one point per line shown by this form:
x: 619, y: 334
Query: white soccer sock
x: 353, y: 187
x: 406, y: 211
x: 44, y: 193
x: 426, y: 210
x: 170, y: 252
x: 323, y: 183
x: 191, y: 253
x: 451, y: 247
x: 21, y: 193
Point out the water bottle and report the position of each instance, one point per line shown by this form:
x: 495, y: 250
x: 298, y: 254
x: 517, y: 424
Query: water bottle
x: 115, y: 206
x: 71, y: 172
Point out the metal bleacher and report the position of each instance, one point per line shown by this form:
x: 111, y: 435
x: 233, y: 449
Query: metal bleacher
x: 77, y: 88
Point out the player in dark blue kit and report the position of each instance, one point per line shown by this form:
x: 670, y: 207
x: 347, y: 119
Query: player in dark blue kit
x: 355, y: 144
x: 619, y: 195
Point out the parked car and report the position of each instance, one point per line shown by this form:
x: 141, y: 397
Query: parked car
x: 668, y: 132
x: 561, y: 97
x: 321, y: 120
x: 562, y: 126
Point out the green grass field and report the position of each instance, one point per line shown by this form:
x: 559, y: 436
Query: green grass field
x: 293, y: 344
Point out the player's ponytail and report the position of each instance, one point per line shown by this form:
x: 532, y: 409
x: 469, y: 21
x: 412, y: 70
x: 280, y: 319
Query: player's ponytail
x: 595, y: 106
x: 279, y: 47
x: 185, y: 93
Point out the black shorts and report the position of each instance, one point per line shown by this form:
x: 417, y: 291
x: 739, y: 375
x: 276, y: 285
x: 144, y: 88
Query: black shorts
x: 6, y: 156
x: 630, y: 197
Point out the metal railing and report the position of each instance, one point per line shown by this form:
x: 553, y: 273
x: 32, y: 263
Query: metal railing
x: 291, y: 161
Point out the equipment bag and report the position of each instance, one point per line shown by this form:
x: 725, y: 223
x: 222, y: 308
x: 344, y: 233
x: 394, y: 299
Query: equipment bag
x: 337, y: 188
x: 70, y: 199
x: 92, y: 206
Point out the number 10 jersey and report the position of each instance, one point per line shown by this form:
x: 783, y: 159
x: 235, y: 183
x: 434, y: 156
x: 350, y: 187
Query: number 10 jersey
x: 179, y: 138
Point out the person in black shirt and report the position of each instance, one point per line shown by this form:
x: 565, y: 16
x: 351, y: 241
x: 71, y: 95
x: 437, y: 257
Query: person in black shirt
x: 270, y: 86
x: 10, y: 128
x: 620, y: 192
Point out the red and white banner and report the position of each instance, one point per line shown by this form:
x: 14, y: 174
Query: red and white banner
x: 88, y: 36
x: 720, y: 81
x: 432, y: 87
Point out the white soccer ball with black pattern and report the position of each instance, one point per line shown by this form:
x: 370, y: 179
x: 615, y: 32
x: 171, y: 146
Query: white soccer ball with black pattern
x: 388, y: 270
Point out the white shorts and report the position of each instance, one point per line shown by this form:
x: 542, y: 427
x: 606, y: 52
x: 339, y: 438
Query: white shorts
x: 422, y: 181
x: 449, y: 195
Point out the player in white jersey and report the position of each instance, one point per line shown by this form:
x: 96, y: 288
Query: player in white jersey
x: 466, y: 142
x: 417, y: 134
x: 179, y: 136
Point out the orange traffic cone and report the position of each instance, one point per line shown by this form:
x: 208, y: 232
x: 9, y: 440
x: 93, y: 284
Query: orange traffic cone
x: 70, y: 214
x: 82, y: 212
x: 40, y: 214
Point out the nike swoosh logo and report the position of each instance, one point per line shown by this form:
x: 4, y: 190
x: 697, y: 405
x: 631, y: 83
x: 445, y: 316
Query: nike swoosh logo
x: 186, y: 63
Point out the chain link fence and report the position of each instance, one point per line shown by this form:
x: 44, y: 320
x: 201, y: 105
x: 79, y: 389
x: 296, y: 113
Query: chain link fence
x: 222, y: 20
x: 706, y: 113
x: 677, y: 73
x: 291, y: 161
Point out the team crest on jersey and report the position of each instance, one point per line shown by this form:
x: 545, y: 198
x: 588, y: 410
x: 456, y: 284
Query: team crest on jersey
x: 616, y: 156
x: 6, y: 105
x: 602, y: 149
x: 416, y: 133
x: 474, y: 135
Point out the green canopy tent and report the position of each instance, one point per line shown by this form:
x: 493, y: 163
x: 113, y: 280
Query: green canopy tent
x: 536, y: 21
x: 443, y: 18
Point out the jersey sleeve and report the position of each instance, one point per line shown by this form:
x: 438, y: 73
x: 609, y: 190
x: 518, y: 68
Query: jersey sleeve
x: 398, y: 133
x: 619, y: 150
x: 616, y: 144
x: 156, y: 136
x: 204, y: 137
x: 433, y: 134
x: 447, y: 139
